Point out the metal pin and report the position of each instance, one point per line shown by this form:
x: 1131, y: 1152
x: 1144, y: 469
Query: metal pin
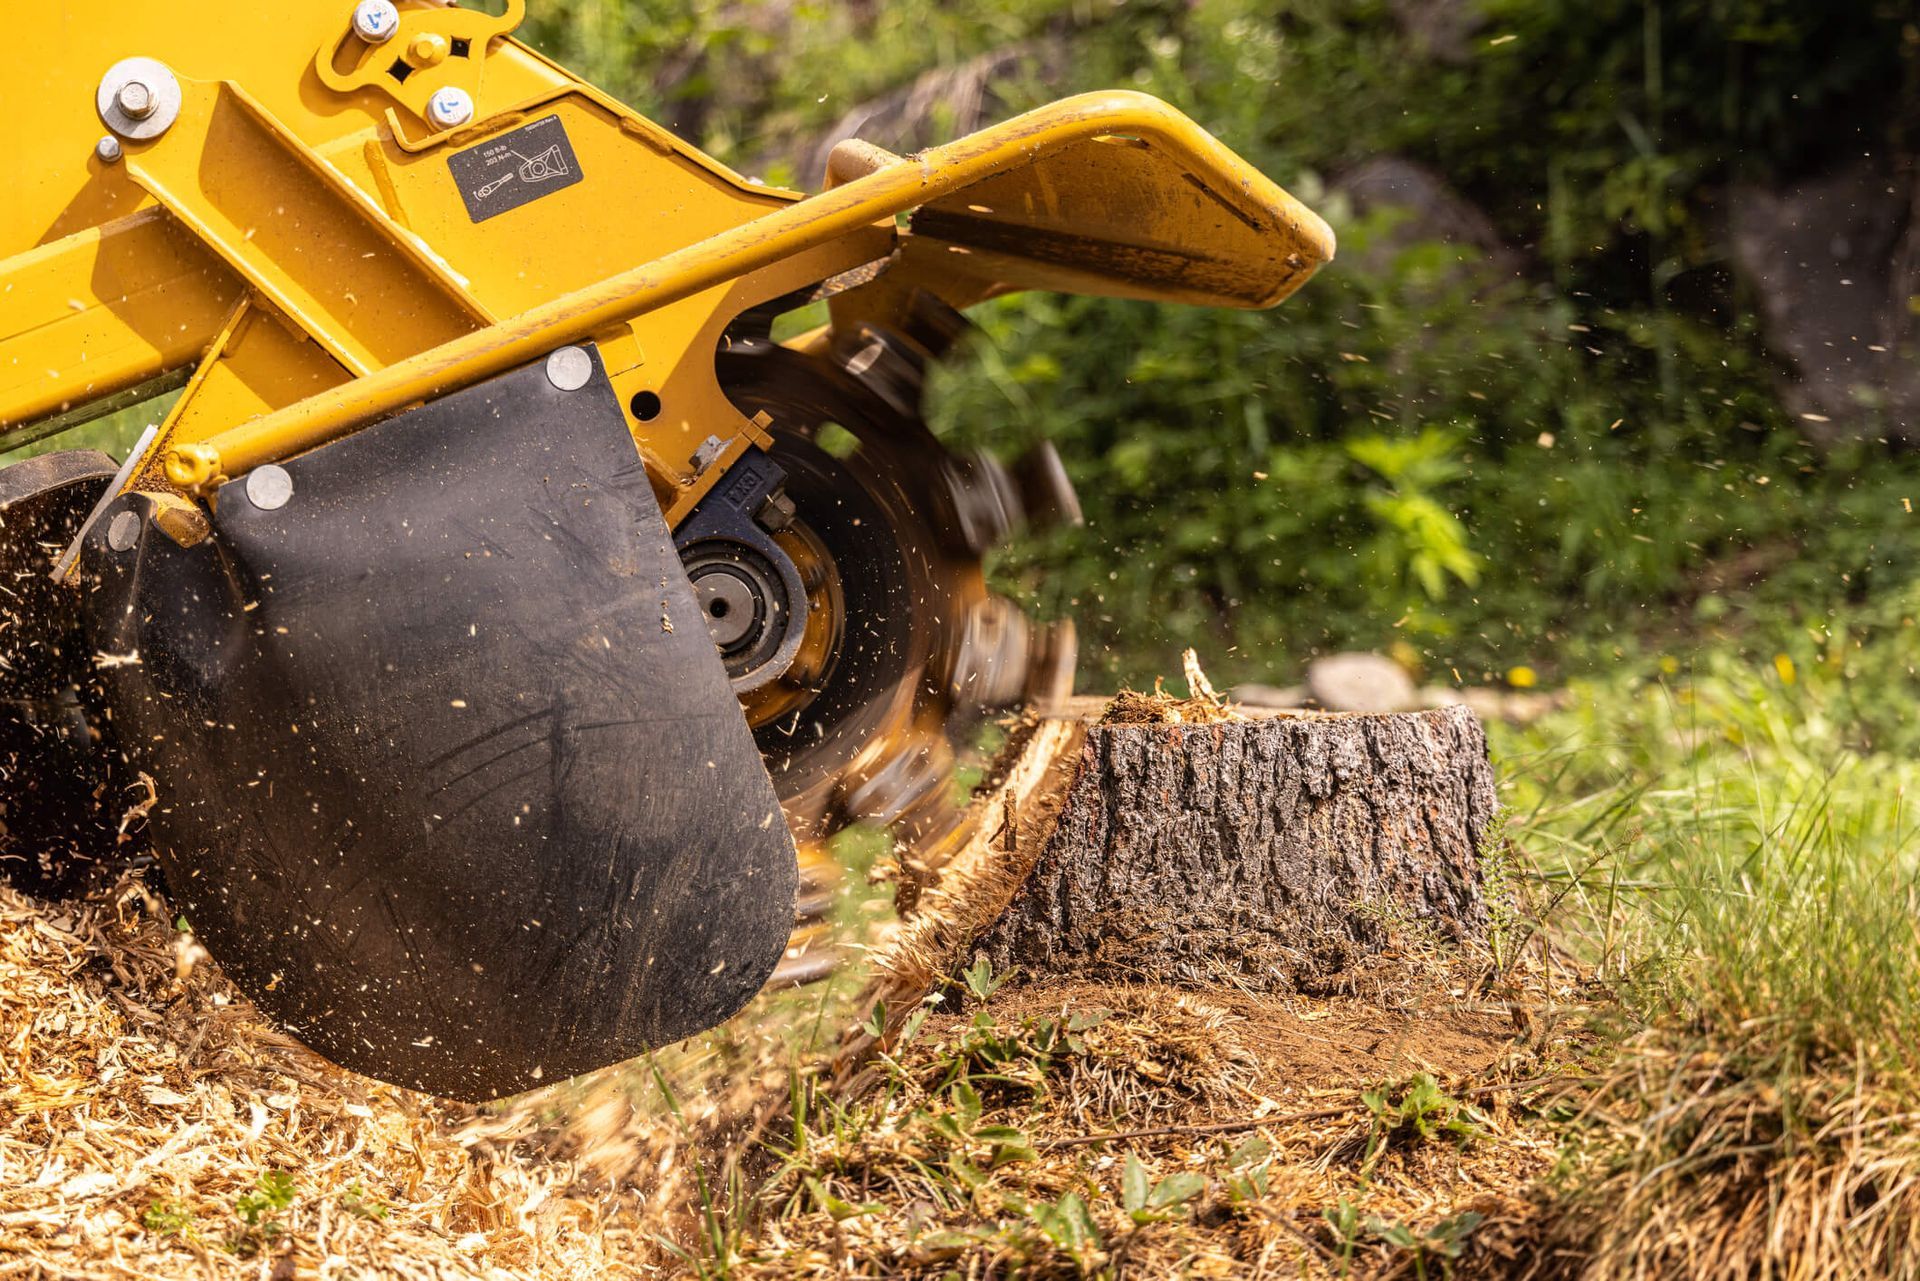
x: 136, y: 99
x: 450, y: 107
x: 375, y: 21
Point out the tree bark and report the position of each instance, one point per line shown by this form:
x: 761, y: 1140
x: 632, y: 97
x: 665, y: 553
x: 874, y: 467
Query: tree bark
x: 1262, y: 853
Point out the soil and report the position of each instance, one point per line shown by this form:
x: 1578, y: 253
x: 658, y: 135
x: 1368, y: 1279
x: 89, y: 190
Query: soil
x: 1180, y: 1083
x: 1300, y: 1044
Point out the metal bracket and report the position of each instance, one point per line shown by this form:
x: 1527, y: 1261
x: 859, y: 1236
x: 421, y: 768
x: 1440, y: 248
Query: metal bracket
x: 749, y: 590
x: 432, y: 61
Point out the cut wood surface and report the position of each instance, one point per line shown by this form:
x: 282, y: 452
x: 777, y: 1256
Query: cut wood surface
x: 1262, y: 852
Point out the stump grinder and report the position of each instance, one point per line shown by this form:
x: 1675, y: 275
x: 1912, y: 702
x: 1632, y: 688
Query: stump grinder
x: 498, y: 600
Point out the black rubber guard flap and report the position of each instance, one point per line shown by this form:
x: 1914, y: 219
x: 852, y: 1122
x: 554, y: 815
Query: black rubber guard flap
x: 451, y: 779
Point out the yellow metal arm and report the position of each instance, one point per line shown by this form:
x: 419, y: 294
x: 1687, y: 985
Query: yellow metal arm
x: 306, y: 228
x: 1017, y: 156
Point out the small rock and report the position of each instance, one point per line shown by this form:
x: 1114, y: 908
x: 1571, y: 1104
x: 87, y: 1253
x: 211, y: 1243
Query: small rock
x: 1278, y: 696
x: 1834, y: 261
x: 1360, y: 683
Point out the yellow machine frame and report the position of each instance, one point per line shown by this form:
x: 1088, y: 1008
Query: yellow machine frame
x: 295, y: 244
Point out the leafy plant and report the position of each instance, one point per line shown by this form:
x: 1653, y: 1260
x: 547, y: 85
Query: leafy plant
x: 1445, y: 1240
x: 1069, y: 1225
x: 360, y: 1204
x: 1416, y: 1108
x: 981, y: 980
x: 1248, y: 1168
x: 1419, y: 540
x: 259, y: 1210
x: 1146, y: 1201
x: 165, y: 1218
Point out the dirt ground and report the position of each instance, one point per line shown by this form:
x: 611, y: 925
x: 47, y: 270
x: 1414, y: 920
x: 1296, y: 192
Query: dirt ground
x: 1289, y: 1114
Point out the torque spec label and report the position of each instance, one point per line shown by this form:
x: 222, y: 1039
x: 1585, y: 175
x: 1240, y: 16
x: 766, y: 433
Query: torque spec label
x: 506, y: 172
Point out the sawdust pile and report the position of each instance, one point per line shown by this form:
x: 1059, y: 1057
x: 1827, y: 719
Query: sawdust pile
x: 151, y: 1125
x: 1203, y: 705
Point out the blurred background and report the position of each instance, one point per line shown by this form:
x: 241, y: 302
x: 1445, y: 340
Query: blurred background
x: 1618, y: 361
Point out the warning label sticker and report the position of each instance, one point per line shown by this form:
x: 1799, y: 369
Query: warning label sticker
x: 504, y: 173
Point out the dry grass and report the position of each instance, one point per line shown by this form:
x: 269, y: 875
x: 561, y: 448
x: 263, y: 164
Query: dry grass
x: 1428, y: 1112
x: 152, y: 1126
x: 1736, y: 864
x: 1704, y: 1171
x: 1075, y: 1128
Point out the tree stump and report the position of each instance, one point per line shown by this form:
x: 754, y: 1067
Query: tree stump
x: 1264, y: 853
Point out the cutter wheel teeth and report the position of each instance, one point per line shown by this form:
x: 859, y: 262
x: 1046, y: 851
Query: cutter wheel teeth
x: 892, y: 531
x: 906, y: 649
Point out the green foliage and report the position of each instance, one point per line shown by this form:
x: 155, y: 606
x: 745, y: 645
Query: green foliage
x: 1416, y: 1108
x: 1249, y: 1170
x: 948, y: 1136
x: 1726, y: 845
x: 1731, y: 844
x: 113, y: 434
x: 1444, y: 1241
x: 1418, y: 538
x: 1146, y: 1201
x: 358, y: 1202
x: 259, y: 1211
x: 981, y: 980
x: 166, y: 1218
x: 272, y: 1193
x: 1595, y: 434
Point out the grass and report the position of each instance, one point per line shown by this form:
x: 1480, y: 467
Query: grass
x: 1733, y: 855
x: 1710, y: 932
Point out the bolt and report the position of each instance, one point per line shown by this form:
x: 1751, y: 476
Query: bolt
x: 123, y: 532
x: 730, y: 604
x: 428, y: 49
x: 136, y: 99
x: 269, y: 487
x: 776, y: 513
x: 450, y: 107
x: 108, y: 149
x: 569, y: 368
x: 375, y: 21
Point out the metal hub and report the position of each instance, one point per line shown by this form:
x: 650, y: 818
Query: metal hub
x: 735, y: 606
x: 911, y: 647
x: 749, y: 609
